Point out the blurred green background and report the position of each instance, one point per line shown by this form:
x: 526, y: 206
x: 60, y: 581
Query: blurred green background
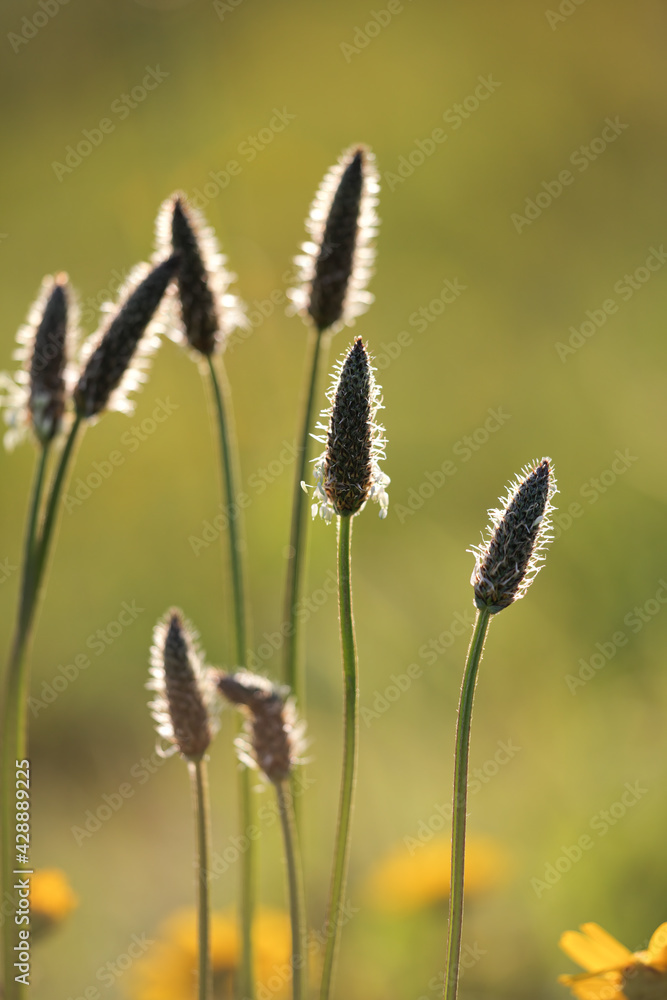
x: 555, y: 77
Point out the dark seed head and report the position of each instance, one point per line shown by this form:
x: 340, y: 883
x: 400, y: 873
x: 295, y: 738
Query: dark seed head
x: 111, y: 359
x: 337, y: 263
x: 201, y: 321
x: 46, y: 401
x: 181, y: 708
x: 273, y: 735
x: 507, y: 564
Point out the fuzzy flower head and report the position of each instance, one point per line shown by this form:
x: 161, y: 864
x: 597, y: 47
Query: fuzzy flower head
x: 184, y: 706
x: 347, y: 474
x: 273, y: 740
x: 508, y: 561
x: 613, y: 972
x: 337, y: 262
x: 35, y: 396
x: 116, y: 357
x: 204, y: 312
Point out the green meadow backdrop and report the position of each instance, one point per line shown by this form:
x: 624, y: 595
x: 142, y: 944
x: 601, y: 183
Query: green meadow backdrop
x: 520, y: 311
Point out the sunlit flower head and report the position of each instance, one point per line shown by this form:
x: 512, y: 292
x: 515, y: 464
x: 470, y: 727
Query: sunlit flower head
x: 36, y: 394
x: 51, y: 899
x: 508, y: 561
x: 169, y: 969
x: 203, y: 311
x: 337, y: 262
x: 115, y: 358
x: 184, y: 708
x: 406, y: 880
x: 348, y: 473
x: 613, y: 972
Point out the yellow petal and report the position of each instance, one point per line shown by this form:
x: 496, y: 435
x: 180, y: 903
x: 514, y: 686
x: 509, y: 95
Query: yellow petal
x: 657, y: 948
x: 594, y: 987
x: 595, y: 950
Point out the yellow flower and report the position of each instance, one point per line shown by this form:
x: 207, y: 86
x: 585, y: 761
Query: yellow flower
x: 168, y: 971
x: 51, y: 899
x: 405, y: 881
x: 613, y: 971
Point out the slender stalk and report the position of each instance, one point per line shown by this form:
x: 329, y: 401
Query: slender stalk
x: 199, y: 781
x: 459, y: 803
x: 296, y: 559
x: 296, y: 894
x: 342, y: 847
x: 229, y: 466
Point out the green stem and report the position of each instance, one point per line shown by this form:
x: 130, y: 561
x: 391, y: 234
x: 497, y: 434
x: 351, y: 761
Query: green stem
x: 342, y: 847
x: 199, y: 781
x: 459, y: 803
x: 296, y: 558
x: 296, y: 894
x: 229, y: 466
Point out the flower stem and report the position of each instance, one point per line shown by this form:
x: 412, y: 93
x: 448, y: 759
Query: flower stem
x: 342, y: 847
x: 229, y: 466
x: 199, y: 781
x: 459, y: 803
x: 14, y: 712
x: 296, y: 559
x: 296, y: 894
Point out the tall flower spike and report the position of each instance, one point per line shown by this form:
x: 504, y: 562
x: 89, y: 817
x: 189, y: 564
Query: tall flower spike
x: 183, y: 706
x: 337, y: 263
x: 348, y: 473
x: 36, y: 395
x: 274, y: 737
x: 508, y: 562
x: 208, y: 311
x: 108, y: 374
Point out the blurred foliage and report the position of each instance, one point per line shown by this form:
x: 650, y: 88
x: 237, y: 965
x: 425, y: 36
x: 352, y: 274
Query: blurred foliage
x: 556, y: 79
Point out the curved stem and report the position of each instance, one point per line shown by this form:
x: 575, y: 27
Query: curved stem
x: 201, y: 810
x: 296, y: 894
x: 296, y: 559
x: 459, y: 803
x: 229, y: 466
x: 342, y: 847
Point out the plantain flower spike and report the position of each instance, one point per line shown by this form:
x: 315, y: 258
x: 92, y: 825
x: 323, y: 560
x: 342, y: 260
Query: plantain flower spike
x: 116, y: 355
x: 347, y: 474
x: 183, y: 708
x: 208, y: 312
x: 508, y: 561
x: 273, y: 739
x: 337, y: 262
x: 36, y: 395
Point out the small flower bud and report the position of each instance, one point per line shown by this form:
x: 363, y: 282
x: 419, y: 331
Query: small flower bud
x: 507, y: 563
x: 274, y: 737
x: 46, y: 401
x: 347, y: 474
x: 182, y: 707
x: 114, y: 347
x: 337, y: 264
